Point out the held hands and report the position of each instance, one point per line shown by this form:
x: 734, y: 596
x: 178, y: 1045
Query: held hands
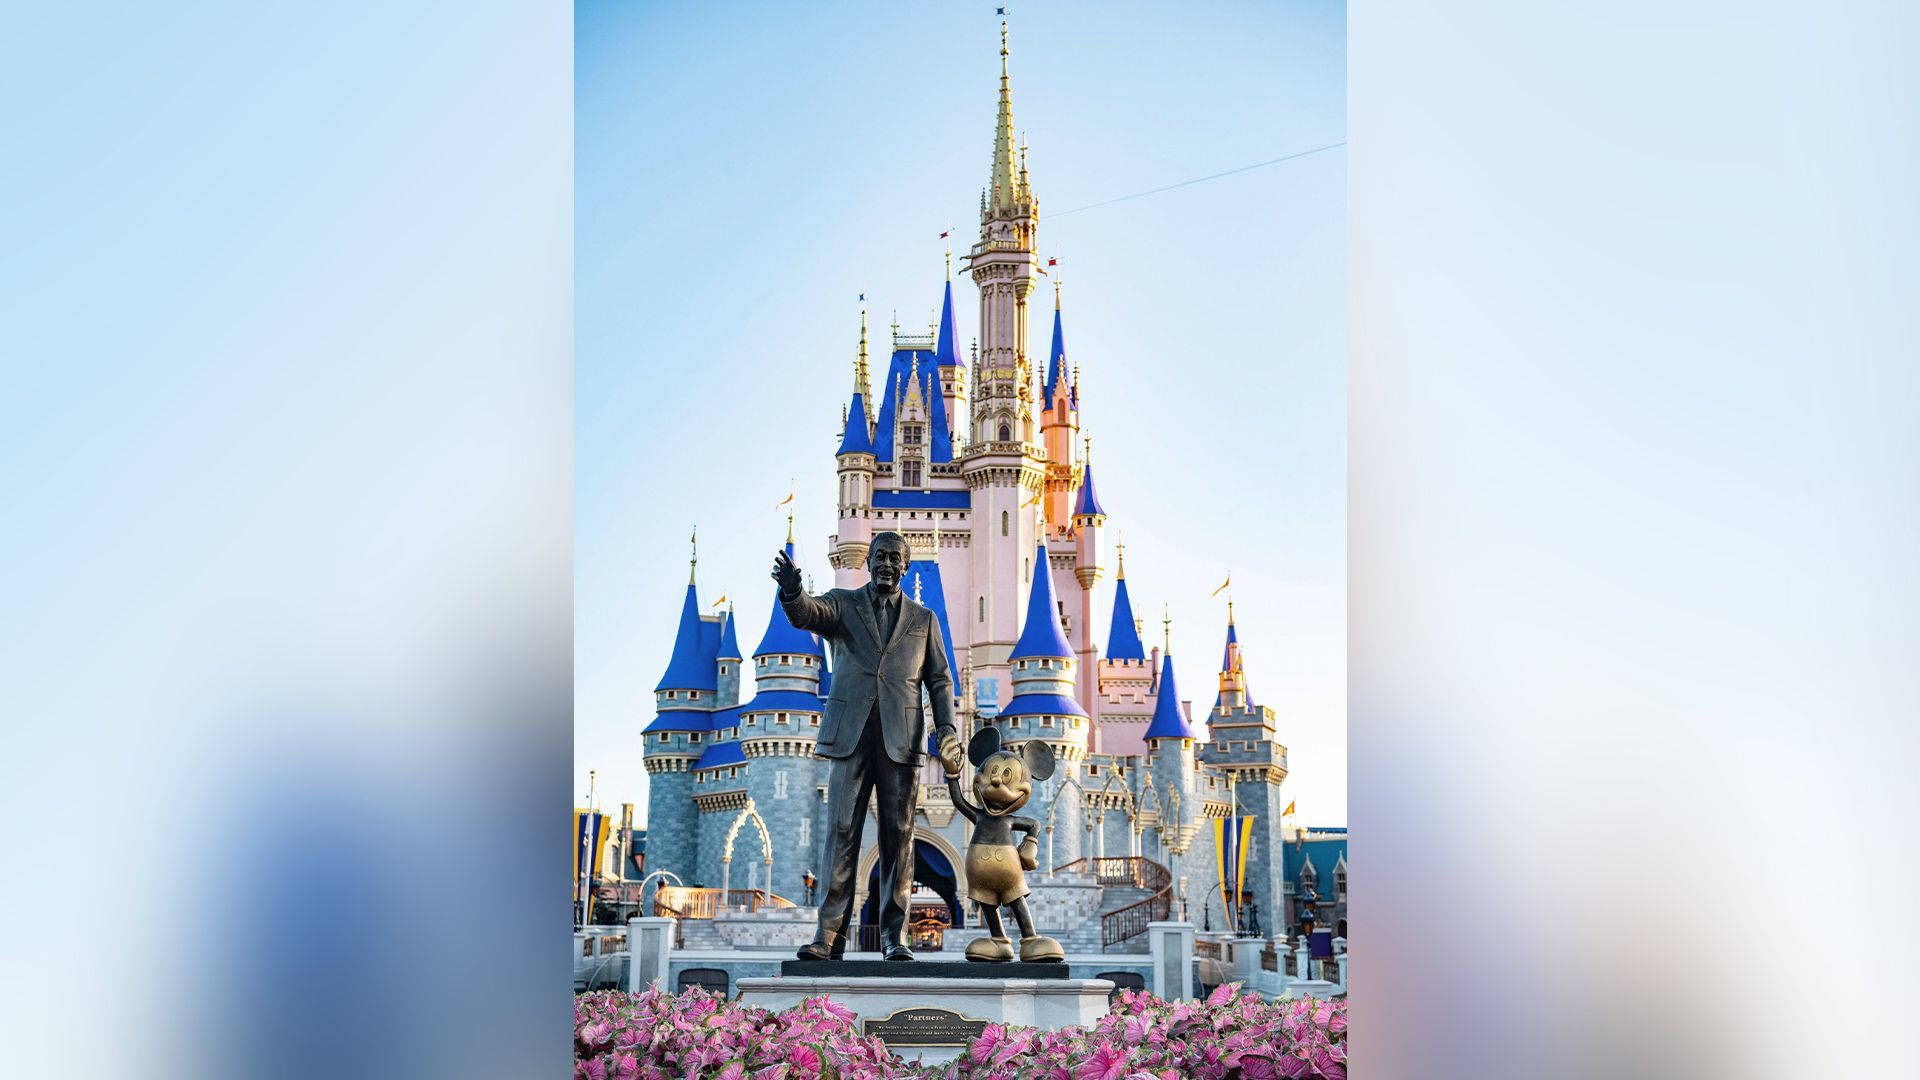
x: 1030, y: 853
x: 951, y: 754
x: 787, y: 574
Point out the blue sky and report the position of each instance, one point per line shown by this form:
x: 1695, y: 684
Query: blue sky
x: 742, y: 175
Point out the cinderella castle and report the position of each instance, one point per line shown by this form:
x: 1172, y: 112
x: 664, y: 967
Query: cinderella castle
x: 980, y: 464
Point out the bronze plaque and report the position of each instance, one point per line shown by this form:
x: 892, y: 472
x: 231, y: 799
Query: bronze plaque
x: 923, y: 1026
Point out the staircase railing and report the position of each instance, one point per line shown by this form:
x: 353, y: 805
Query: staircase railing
x: 682, y: 902
x: 1129, y: 870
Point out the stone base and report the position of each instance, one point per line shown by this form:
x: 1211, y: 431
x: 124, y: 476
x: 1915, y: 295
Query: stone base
x: 1051, y: 1003
x: 920, y: 969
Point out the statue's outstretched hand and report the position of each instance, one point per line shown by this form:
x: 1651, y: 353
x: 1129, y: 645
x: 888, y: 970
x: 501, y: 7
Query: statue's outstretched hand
x: 951, y: 754
x: 787, y: 574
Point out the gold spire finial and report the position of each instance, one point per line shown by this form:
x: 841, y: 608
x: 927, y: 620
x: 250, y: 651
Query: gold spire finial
x: 1004, y: 168
x: 1229, y: 609
x: 1166, y: 631
x: 1056, y: 293
x: 789, y: 526
x: 1120, y: 551
x: 693, y: 564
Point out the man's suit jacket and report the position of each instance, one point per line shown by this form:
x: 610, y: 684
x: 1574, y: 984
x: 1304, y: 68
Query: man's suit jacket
x: 867, y: 670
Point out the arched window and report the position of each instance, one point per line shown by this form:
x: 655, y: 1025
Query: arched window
x: 1006, y: 433
x: 1003, y: 525
x: 983, y: 610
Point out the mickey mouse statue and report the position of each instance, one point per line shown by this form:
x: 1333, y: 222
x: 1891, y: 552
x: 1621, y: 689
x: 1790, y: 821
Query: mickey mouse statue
x: 1003, y: 783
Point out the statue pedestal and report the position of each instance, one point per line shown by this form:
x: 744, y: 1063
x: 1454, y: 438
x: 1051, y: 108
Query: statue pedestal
x: 927, y: 1015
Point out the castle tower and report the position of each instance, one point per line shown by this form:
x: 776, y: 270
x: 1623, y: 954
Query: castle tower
x: 1044, y: 708
x: 1003, y: 464
x: 776, y: 732
x: 1242, y: 745
x: 1059, y: 425
x: 678, y: 735
x: 856, y: 463
x: 1125, y: 677
x: 1170, y: 763
x: 727, y: 681
x: 1089, y: 520
x: 946, y: 358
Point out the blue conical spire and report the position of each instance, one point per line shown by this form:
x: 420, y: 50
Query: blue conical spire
x: 781, y: 636
x: 1056, y: 355
x: 1168, y: 721
x: 1123, y: 640
x: 689, y: 669
x: 729, y: 643
x: 856, y: 439
x: 1089, y: 503
x: 1042, y: 635
x: 944, y: 352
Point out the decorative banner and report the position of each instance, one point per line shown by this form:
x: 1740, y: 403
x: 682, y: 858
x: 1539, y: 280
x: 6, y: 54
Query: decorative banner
x: 1240, y: 872
x: 1222, y: 838
x: 589, y: 828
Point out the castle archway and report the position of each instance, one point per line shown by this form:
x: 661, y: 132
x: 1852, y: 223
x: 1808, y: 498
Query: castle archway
x: 936, y: 865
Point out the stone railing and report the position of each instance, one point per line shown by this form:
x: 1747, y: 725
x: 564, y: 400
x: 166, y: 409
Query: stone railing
x: 1122, y: 923
x: 681, y: 902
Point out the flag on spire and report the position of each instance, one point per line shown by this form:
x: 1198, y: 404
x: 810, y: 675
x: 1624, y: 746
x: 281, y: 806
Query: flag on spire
x: 1223, y: 585
x: 784, y: 501
x: 717, y: 603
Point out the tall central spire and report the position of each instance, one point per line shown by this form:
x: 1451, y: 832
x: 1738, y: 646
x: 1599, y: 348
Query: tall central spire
x: 1004, y: 168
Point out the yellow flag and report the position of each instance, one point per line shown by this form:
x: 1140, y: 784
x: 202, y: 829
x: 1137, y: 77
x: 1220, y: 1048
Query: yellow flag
x: 784, y: 501
x: 1220, y: 858
x: 1032, y: 501
x: 718, y: 602
x: 1288, y: 812
x: 1224, y: 584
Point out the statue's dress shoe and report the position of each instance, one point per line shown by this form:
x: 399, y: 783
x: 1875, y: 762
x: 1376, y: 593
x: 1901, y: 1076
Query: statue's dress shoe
x: 990, y: 950
x: 1037, y: 949
x: 897, y: 951
x: 826, y: 946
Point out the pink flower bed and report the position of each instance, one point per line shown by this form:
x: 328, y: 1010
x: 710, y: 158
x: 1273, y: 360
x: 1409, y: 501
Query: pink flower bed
x: 662, y: 1036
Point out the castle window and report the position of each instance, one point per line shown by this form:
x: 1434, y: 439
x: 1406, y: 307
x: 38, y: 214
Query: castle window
x: 1045, y: 721
x: 1006, y: 433
x: 983, y: 609
x: 813, y: 721
x: 1026, y: 569
x: 695, y: 737
x: 1340, y: 883
x: 1003, y: 523
x: 782, y: 718
x: 910, y: 474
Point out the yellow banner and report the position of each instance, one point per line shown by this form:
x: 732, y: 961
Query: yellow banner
x: 1240, y: 872
x: 1220, y: 859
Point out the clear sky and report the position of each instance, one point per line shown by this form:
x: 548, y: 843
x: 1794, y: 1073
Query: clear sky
x: 744, y: 174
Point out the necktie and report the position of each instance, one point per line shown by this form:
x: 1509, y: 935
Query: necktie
x: 882, y: 618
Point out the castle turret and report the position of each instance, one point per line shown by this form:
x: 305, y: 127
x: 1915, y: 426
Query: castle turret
x: 776, y: 733
x: 1003, y: 464
x: 675, y: 739
x: 1044, y: 707
x: 1125, y: 677
x: 1170, y: 756
x: 1059, y: 426
x: 1089, y: 521
x: 1241, y: 744
x: 727, y: 691
x: 856, y: 463
x: 946, y: 358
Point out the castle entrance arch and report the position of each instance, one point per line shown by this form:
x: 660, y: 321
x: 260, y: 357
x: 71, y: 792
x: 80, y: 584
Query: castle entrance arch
x: 938, y: 868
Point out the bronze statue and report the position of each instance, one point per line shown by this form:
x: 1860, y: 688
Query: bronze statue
x: 1003, y: 781
x: 886, y: 648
